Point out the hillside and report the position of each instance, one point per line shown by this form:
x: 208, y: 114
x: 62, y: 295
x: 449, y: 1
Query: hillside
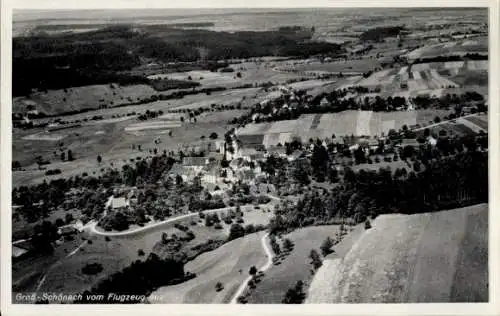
x: 432, y: 257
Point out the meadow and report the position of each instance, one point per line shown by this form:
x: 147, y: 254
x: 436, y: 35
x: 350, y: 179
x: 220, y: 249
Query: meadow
x: 296, y: 266
x: 410, y: 259
x: 228, y: 264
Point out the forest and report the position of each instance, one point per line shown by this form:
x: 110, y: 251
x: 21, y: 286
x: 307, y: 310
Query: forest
x: 107, y: 55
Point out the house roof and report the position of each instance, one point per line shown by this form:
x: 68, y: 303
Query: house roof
x: 247, y: 174
x: 256, y: 139
x: 195, y: 161
x: 67, y: 230
x: 119, y: 202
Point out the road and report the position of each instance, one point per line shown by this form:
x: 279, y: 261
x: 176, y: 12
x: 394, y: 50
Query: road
x: 91, y: 226
x: 267, y: 265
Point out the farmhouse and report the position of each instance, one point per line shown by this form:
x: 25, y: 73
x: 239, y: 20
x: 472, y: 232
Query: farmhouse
x: 196, y: 163
x: 67, y: 231
x: 251, y: 141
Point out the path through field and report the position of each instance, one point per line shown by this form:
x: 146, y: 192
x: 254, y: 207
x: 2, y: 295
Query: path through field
x: 264, y: 268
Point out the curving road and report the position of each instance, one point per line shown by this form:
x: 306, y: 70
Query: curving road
x: 91, y: 226
x: 266, y: 266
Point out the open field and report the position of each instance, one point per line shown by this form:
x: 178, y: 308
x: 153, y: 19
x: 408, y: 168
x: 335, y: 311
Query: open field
x: 251, y: 73
x: 432, y: 257
x: 221, y: 265
x: 468, y: 125
x: 279, y: 278
x: 112, y: 143
x: 346, y: 123
x: 429, y: 78
x: 346, y: 67
x: 476, y: 45
x: 76, y: 98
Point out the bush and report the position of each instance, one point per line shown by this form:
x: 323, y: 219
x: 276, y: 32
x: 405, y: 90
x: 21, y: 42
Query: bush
x: 218, y: 226
x: 140, y: 252
x: 51, y: 172
x: 368, y: 225
x: 219, y: 286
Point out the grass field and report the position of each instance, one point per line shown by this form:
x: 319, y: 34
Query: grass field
x: 112, y: 142
x: 432, y: 257
x: 279, y: 278
x: 221, y: 265
x: 346, y: 123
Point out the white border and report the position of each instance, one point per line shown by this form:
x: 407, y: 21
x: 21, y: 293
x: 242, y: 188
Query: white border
x: 491, y: 308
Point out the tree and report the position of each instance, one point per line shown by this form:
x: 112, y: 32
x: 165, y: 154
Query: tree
x: 252, y: 271
x: 236, y: 231
x: 59, y: 222
x: 63, y: 156
x: 368, y: 225
x: 99, y: 158
x: 68, y: 218
x: 288, y: 245
x: 326, y: 246
x: 295, y: 295
x: 219, y: 287
x: 140, y: 252
x: 315, y: 259
x: 213, y: 136
x: 70, y: 155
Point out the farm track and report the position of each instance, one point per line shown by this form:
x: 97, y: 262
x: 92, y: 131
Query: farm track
x: 265, y: 267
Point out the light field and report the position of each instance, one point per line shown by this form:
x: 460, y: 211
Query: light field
x: 433, y: 258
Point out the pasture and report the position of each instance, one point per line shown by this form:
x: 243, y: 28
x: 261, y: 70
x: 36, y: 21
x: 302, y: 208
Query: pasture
x: 113, y: 142
x: 121, y: 251
x: 279, y: 278
x: 221, y: 265
x: 433, y: 257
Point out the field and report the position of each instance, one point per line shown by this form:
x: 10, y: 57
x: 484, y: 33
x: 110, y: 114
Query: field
x: 432, y: 78
x: 463, y: 126
x: 433, y: 257
x: 110, y: 140
x: 251, y: 73
x: 476, y: 45
x: 346, y: 123
x: 221, y: 265
x: 279, y: 278
x: 346, y: 67
x: 76, y: 98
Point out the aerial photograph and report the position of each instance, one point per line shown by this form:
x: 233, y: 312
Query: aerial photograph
x: 250, y: 156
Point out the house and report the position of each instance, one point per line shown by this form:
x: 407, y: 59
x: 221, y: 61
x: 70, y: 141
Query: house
x: 246, y: 175
x: 279, y: 151
x: 295, y: 155
x: 431, y: 141
x: 195, y: 163
x: 119, y: 203
x: 251, y: 141
x: 186, y: 173
x: 410, y: 142
x: 67, y: 230
x: 246, y: 153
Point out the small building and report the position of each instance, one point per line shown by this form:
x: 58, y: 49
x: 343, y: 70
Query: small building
x: 410, y: 142
x: 67, y: 230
